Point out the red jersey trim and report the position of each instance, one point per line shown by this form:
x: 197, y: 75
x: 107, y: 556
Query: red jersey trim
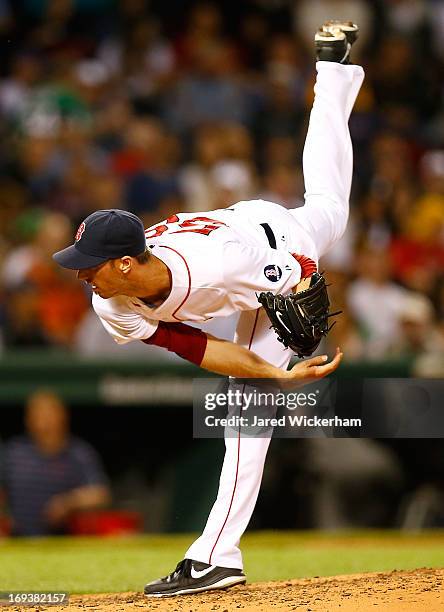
x: 162, y: 246
x: 308, y: 266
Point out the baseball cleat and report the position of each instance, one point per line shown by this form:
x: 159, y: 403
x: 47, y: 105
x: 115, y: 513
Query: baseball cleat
x: 334, y: 40
x: 350, y: 29
x: 194, y: 577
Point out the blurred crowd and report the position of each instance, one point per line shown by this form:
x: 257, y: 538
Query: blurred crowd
x: 162, y: 107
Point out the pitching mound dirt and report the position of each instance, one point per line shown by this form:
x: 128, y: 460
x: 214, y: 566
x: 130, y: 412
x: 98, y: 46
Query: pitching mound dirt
x: 414, y: 591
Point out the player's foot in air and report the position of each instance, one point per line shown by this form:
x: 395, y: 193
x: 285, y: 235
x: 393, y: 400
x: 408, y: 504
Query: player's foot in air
x: 334, y: 40
x: 194, y: 577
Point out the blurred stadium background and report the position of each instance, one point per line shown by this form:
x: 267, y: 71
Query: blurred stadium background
x: 158, y: 107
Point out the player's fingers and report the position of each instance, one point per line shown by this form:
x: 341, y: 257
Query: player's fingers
x: 315, y: 361
x: 328, y: 368
x: 310, y: 370
x: 320, y: 359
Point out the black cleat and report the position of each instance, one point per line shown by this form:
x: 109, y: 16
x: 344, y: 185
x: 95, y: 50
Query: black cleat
x: 194, y: 577
x: 334, y: 41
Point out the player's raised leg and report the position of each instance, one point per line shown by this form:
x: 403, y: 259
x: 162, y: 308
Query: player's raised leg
x: 328, y: 153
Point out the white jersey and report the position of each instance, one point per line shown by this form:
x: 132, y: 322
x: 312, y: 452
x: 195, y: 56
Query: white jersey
x: 219, y: 261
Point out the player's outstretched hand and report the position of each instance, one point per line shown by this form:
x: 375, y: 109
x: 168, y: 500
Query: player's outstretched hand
x: 312, y: 369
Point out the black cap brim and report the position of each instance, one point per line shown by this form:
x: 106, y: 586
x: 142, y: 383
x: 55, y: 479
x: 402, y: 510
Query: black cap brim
x: 73, y: 259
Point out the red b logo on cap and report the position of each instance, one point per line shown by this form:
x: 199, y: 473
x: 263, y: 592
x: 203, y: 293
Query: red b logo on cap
x: 80, y: 231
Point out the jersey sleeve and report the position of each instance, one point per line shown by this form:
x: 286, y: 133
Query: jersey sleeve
x: 248, y: 270
x: 122, y: 324
x: 188, y: 342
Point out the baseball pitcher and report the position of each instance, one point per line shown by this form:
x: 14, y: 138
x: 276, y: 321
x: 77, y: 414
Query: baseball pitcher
x: 254, y: 257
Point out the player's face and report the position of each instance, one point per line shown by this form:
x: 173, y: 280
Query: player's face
x: 105, y: 279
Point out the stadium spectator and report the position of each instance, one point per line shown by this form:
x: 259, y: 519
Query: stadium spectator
x: 418, y: 335
x: 284, y: 185
x: 43, y: 306
x: 208, y: 148
x: 212, y: 91
x: 376, y: 302
x: 418, y: 249
x: 152, y: 186
x: 48, y: 474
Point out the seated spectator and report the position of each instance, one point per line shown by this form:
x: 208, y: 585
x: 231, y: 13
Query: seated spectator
x: 418, y: 252
x: 49, y: 474
x: 404, y: 91
x: 232, y: 182
x: 211, y: 91
x: 282, y: 112
x: 221, y: 171
x: 284, y: 185
x: 375, y: 302
x: 419, y: 335
x: 209, y: 148
x: 16, y: 90
x: 149, y: 165
x: 43, y: 306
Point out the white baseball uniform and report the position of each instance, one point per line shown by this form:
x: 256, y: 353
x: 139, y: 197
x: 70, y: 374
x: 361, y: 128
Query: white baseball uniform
x: 220, y: 259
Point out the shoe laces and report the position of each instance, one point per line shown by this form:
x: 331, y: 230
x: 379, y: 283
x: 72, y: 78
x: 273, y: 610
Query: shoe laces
x: 183, y: 568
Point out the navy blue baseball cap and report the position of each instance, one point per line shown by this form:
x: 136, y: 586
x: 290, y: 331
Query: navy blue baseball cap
x: 104, y: 235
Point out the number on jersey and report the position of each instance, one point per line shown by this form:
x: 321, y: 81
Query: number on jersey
x: 198, y: 225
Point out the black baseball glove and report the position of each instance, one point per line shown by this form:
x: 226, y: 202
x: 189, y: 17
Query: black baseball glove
x: 300, y: 319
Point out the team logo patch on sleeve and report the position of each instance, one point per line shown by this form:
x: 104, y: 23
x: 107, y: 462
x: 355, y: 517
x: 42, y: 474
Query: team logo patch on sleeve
x: 273, y: 273
x: 80, y: 232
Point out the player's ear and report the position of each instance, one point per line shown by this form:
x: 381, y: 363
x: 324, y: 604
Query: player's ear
x: 125, y: 264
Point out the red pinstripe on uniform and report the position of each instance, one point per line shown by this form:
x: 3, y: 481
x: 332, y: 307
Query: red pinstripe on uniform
x: 238, y: 453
